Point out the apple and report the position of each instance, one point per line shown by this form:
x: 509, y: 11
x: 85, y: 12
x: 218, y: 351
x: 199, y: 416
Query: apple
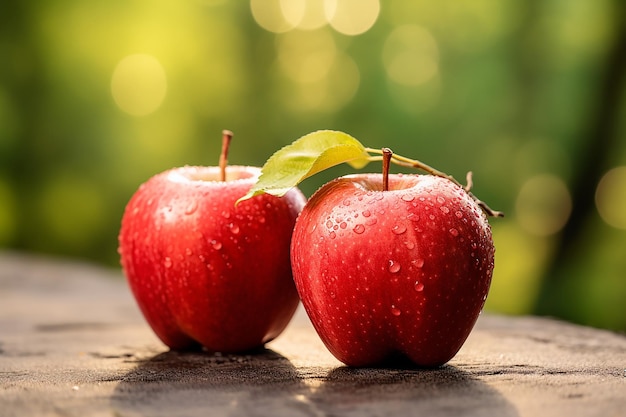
x: 392, y: 266
x: 203, y: 270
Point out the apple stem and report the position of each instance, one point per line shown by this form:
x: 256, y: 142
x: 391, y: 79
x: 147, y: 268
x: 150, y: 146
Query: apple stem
x: 387, y: 155
x: 227, y: 136
x: 412, y: 163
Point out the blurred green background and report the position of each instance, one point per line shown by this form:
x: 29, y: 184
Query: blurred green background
x: 97, y: 96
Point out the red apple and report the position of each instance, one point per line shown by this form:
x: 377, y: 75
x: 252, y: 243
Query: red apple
x: 207, y: 272
x: 402, y: 272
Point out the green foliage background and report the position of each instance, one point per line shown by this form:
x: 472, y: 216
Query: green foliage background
x: 512, y: 90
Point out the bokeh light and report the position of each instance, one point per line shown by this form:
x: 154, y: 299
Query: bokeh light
x: 410, y: 55
x: 306, y: 56
x: 304, y: 14
x: 543, y: 205
x: 610, y: 197
x: 139, y: 84
x: 352, y: 17
x: 270, y: 15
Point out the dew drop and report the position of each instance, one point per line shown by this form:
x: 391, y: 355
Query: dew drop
x: 413, y: 217
x: 332, y: 235
x: 343, y: 225
x: 333, y: 295
x: 262, y: 220
x: 366, y: 213
x: 395, y: 310
x: 408, y: 198
x: 234, y: 228
x: 167, y: 262
x: 399, y: 229
x: 226, y: 214
x: 216, y: 245
x: 419, y: 262
x: 440, y: 200
x: 454, y: 232
x: 409, y: 244
x: 371, y: 221
x: 191, y: 208
x: 358, y: 229
x: 431, y: 217
x: 445, y: 209
x: 419, y: 287
x: 346, y: 202
x: 458, y: 214
x: 329, y: 224
x: 188, y: 252
x: 394, y: 267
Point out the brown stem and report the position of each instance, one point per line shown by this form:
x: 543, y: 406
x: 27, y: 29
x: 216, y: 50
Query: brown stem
x: 227, y: 136
x: 387, y: 153
x: 412, y: 163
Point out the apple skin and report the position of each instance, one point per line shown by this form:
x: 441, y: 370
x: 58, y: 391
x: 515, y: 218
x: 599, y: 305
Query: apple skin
x: 397, y: 274
x: 204, y: 271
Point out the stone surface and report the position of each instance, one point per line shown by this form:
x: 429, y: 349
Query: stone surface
x: 73, y: 343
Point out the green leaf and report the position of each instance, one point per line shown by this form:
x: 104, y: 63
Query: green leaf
x: 305, y: 157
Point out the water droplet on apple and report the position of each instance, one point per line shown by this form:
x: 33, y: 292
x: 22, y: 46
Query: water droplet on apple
x: 346, y: 202
x: 167, y: 262
x: 419, y: 262
x: 333, y: 295
x: 343, y: 225
x: 332, y: 235
x: 358, y: 229
x: 191, y: 208
x: 262, y: 220
x: 458, y: 214
x: 366, y: 213
x: 395, y: 310
x: 409, y: 244
x: 445, y: 209
x: 188, y: 252
x: 329, y: 224
x: 408, y: 198
x: 440, y: 199
x: 454, y: 232
x: 371, y: 221
x: 216, y: 245
x: 399, y: 229
x: 394, y: 267
x: 234, y: 228
x: 419, y: 287
x: 226, y: 214
x: 413, y: 217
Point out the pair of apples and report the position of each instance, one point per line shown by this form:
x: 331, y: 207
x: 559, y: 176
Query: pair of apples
x: 387, y: 266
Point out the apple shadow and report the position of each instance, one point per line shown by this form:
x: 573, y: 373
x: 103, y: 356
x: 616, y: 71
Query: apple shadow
x: 444, y: 391
x: 265, y: 383
x: 198, y: 383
